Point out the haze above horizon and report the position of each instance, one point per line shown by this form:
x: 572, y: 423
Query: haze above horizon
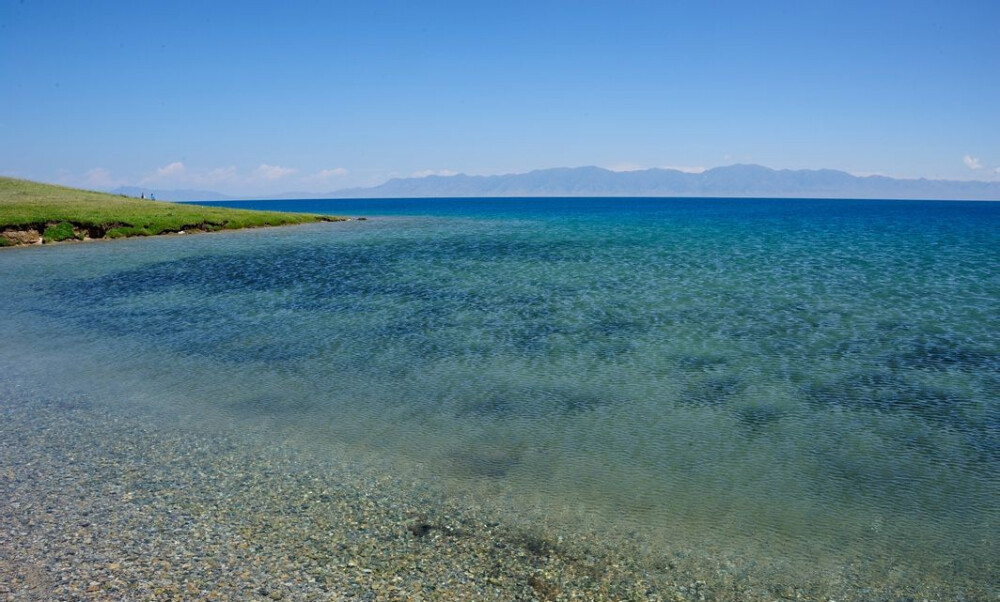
x: 253, y: 98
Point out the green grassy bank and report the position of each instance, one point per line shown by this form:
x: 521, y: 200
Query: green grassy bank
x: 31, y: 212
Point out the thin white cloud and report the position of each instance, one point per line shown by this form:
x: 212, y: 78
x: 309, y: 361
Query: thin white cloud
x: 684, y: 168
x: 272, y: 172
x: 433, y: 172
x: 173, y: 169
x: 168, y: 174
x: 218, y: 175
x: 327, y: 174
x: 99, y: 177
x: 177, y: 174
x: 972, y: 162
x: 626, y: 166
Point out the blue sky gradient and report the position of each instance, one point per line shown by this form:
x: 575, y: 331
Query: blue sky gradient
x: 251, y: 98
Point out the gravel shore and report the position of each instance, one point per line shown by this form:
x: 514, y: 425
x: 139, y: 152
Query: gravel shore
x: 105, y: 504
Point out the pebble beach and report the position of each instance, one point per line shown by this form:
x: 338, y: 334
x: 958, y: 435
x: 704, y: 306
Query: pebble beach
x: 102, y: 507
x: 106, y: 504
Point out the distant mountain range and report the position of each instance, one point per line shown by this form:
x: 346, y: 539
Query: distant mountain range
x: 731, y: 181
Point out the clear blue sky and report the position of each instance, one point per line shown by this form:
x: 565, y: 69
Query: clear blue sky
x: 257, y: 97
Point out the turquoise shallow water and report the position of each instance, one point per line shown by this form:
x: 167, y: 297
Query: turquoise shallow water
x: 807, y: 380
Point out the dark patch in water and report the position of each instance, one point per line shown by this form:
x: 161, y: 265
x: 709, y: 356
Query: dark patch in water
x: 485, y: 463
x: 617, y: 327
x: 317, y: 272
x: 984, y: 441
x: 881, y: 391
x: 420, y: 529
x: 893, y: 326
x: 713, y: 390
x: 532, y: 402
x: 756, y: 417
x: 537, y: 545
x: 700, y: 363
x: 314, y: 277
x: 942, y: 411
x: 851, y: 347
x: 611, y: 351
x: 211, y: 301
x: 940, y: 408
x: 576, y: 401
x: 492, y: 406
x: 530, y: 337
x: 945, y: 353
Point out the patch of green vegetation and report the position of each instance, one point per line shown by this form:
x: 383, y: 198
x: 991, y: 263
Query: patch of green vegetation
x: 5, y: 243
x: 60, y: 231
x: 30, y: 205
x: 126, y: 231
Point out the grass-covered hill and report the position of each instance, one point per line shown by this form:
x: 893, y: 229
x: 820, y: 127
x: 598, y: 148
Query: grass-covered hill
x: 31, y: 212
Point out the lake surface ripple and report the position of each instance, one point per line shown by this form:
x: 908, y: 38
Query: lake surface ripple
x: 804, y: 382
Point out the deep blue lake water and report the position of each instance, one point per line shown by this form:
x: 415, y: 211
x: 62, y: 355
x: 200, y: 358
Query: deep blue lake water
x: 812, y: 380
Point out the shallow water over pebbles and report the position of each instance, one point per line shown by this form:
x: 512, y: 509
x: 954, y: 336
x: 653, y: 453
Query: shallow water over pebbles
x: 810, y: 385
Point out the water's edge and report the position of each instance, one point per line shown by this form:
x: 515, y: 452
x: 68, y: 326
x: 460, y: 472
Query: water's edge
x: 803, y: 395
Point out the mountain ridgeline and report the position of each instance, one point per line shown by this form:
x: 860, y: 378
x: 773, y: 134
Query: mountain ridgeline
x: 731, y: 181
